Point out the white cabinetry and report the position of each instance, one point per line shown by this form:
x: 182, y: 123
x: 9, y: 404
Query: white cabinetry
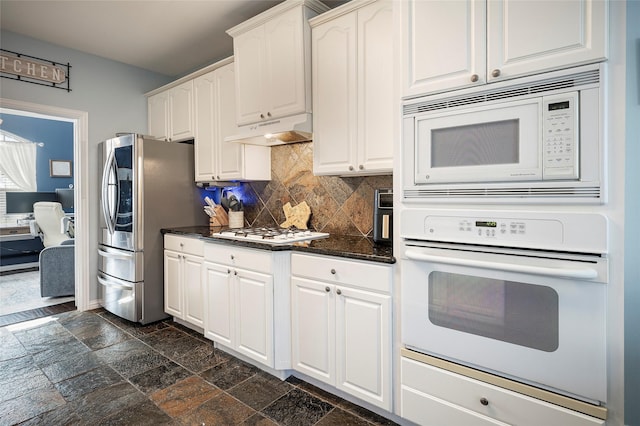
x: 352, y: 62
x: 272, y: 57
x: 454, y: 44
x: 247, y: 302
x: 214, y: 100
x: 183, y: 290
x: 170, y: 113
x: 434, y: 396
x: 341, y: 324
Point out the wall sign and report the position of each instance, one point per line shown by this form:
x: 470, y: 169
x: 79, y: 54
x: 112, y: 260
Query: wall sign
x: 30, y: 69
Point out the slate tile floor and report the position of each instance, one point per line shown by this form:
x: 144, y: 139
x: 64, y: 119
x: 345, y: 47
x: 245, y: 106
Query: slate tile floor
x: 78, y: 368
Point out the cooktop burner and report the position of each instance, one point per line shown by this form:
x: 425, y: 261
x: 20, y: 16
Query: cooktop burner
x: 270, y: 235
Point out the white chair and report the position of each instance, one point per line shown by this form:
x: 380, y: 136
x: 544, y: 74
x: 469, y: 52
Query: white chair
x: 52, y: 221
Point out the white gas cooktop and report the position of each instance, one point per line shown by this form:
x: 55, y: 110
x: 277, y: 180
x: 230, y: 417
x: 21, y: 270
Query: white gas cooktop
x: 273, y: 236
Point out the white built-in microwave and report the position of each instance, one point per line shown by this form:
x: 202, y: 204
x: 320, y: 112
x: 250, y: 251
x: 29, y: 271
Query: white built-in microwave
x: 534, y: 139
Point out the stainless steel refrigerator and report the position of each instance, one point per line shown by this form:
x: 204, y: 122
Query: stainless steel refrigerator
x: 146, y: 185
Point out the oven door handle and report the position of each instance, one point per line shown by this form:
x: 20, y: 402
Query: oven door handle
x: 575, y: 273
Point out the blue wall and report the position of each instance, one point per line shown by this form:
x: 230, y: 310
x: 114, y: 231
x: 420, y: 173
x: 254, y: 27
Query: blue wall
x: 57, y: 137
x: 631, y: 225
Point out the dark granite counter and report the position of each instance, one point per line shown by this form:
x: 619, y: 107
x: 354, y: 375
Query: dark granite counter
x: 346, y: 246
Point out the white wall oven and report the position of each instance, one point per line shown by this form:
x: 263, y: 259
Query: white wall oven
x: 517, y: 294
x: 535, y: 139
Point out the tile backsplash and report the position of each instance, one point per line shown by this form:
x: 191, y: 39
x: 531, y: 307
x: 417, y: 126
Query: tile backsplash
x: 339, y: 205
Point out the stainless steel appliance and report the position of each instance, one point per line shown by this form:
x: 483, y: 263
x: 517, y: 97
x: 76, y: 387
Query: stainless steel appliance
x: 383, y: 216
x: 515, y: 293
x: 270, y: 235
x: 146, y: 185
x: 536, y: 139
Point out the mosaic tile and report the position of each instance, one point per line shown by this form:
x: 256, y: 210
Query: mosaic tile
x: 160, y: 377
x: 342, y: 418
x: 203, y: 358
x: 60, y: 416
x: 29, y: 405
x: 184, y: 396
x: 222, y: 410
x: 297, y: 408
x: 68, y: 368
x: 84, y: 383
x: 229, y: 374
x: 260, y: 390
x: 142, y: 414
x: 105, y: 401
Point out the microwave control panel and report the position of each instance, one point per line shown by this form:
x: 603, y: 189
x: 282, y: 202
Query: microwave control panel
x: 560, y: 136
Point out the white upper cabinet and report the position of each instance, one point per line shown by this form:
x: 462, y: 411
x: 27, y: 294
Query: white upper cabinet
x: 352, y: 61
x: 272, y: 59
x: 170, y: 113
x: 215, y: 159
x: 455, y: 44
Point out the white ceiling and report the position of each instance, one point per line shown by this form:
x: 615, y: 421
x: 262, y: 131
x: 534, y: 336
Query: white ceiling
x: 167, y: 37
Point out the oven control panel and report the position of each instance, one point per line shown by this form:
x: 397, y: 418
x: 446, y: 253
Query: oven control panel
x: 481, y: 229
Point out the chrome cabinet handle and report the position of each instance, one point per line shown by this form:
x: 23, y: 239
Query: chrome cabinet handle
x: 495, y: 73
x: 474, y: 78
x: 268, y: 114
x: 261, y: 115
x: 338, y: 291
x: 228, y: 271
x: 361, y: 167
x: 327, y: 289
x: 350, y: 168
x: 232, y: 257
x: 235, y: 272
x: 484, y: 401
x: 333, y: 271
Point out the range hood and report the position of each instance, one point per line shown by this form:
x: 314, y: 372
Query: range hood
x: 292, y: 129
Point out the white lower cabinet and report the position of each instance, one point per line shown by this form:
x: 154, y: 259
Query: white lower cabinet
x: 245, y: 288
x: 434, y: 396
x: 341, y: 324
x: 183, y: 289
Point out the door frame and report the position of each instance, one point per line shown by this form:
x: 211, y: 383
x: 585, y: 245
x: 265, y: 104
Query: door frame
x: 80, y: 120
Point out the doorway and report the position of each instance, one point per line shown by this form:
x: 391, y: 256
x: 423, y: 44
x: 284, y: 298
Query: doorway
x: 81, y: 179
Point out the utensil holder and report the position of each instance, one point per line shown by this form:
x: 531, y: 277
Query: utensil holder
x: 236, y: 219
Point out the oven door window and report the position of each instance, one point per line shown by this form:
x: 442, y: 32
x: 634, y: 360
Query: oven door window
x: 514, y: 312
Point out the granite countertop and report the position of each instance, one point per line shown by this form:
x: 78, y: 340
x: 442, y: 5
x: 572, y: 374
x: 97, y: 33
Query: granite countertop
x: 347, y: 246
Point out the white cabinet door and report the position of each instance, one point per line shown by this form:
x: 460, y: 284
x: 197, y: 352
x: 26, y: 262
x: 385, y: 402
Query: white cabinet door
x: 181, y: 112
x: 254, y: 315
x: 173, y: 304
x: 249, y: 57
x: 193, y: 290
x: 375, y: 88
x: 284, y: 66
x: 313, y: 328
x: 352, y: 64
x: 205, y: 127
x: 219, y: 303
x: 363, y: 345
x: 335, y: 120
x: 157, y: 115
x: 443, y: 45
x: 526, y: 37
x: 229, y: 155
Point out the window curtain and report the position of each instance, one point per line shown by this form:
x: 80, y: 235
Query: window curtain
x: 18, y: 163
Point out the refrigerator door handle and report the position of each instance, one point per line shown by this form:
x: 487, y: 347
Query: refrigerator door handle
x: 108, y: 217
x: 115, y: 255
x: 111, y: 283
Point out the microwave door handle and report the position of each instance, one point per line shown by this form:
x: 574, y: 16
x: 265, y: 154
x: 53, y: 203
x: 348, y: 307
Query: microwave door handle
x: 105, y: 192
x: 575, y: 273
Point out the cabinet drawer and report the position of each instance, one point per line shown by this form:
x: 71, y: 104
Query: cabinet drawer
x: 456, y: 392
x: 188, y: 245
x: 356, y: 273
x: 226, y: 254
